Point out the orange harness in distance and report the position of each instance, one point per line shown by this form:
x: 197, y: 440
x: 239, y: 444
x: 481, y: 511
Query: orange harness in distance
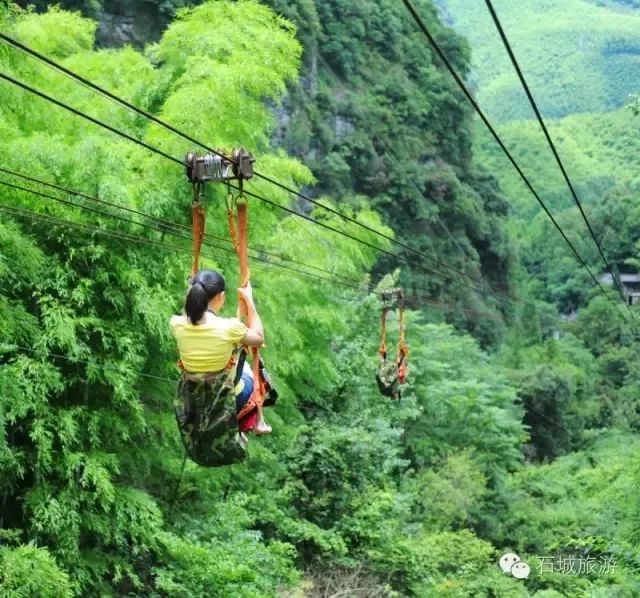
x: 403, y: 349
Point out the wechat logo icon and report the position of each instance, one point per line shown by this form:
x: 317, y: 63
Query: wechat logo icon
x: 511, y: 563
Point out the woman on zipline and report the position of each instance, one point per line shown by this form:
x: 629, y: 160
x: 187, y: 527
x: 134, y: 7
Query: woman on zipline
x: 206, y: 341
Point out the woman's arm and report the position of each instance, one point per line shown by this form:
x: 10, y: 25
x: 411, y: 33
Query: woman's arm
x: 255, y: 335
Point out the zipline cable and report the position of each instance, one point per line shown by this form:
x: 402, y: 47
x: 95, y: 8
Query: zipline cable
x: 57, y: 66
x: 402, y: 258
x: 262, y: 198
x: 552, y: 146
x: 81, y: 114
x: 160, y: 152
x: 434, y: 44
x: 167, y: 223
x: 436, y: 47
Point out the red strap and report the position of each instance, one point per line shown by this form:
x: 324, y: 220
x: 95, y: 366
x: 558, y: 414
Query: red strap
x: 256, y: 400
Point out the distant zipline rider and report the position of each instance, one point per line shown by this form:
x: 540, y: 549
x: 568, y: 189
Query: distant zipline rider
x: 392, y: 373
x: 219, y: 397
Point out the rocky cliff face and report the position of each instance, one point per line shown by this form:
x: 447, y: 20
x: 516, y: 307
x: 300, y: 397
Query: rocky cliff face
x: 120, y: 22
x: 122, y: 28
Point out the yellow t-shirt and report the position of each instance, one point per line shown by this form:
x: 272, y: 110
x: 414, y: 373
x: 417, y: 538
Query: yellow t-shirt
x: 207, y: 347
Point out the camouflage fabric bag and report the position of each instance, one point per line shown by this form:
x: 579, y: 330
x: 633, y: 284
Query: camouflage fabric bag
x: 387, y: 379
x: 206, y: 414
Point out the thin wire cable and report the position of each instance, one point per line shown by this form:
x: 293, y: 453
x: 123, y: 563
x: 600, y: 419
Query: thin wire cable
x: 421, y: 299
x: 551, y: 144
x: 53, y: 64
x: 84, y: 361
x: 434, y: 44
x: 445, y: 277
x: 104, y: 202
x: 169, y: 223
x: 266, y: 265
x: 174, y: 233
x: 95, y: 210
x: 84, y: 226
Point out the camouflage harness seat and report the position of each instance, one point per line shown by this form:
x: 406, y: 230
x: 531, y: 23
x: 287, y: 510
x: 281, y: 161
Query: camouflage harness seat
x: 206, y: 415
x: 387, y: 379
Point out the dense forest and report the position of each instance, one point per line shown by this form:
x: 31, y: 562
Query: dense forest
x: 517, y: 429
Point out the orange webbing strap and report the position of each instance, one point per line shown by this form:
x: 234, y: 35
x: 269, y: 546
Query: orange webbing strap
x: 198, y: 222
x: 240, y: 237
x: 233, y: 233
x: 403, y: 349
x: 243, y: 244
x: 383, y: 334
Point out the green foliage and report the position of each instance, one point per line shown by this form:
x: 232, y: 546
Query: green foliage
x: 375, y: 116
x: 30, y: 571
x: 238, y: 566
x: 87, y: 445
x: 73, y: 32
x: 447, y: 564
x: 553, y: 508
x: 600, y: 151
x: 462, y: 403
x: 447, y: 496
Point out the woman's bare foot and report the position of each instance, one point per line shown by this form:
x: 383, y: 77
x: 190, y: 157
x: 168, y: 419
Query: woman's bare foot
x: 262, y: 427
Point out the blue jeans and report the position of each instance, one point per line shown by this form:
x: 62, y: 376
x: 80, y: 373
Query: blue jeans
x: 244, y: 395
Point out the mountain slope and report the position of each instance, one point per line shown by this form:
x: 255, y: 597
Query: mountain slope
x: 576, y: 55
x: 599, y: 151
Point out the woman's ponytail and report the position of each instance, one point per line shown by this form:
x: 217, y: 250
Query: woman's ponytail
x: 196, y: 303
x: 206, y: 285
